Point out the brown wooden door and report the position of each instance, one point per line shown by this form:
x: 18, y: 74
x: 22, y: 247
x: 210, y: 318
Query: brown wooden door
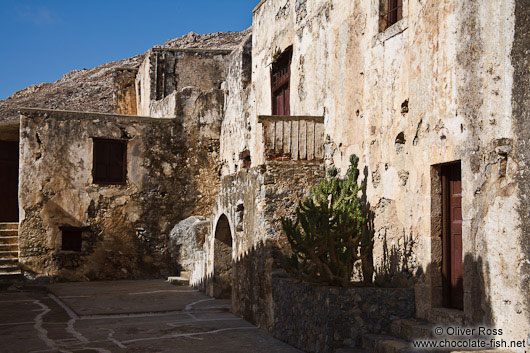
x: 452, y: 237
x: 280, y: 84
x: 281, y: 101
x: 8, y: 181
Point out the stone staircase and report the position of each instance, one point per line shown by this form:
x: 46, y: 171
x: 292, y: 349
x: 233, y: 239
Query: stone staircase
x: 9, y: 268
x: 405, y: 331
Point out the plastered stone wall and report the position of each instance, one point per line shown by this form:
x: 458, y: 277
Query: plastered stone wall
x: 253, y: 200
x: 125, y: 227
x: 124, y: 93
x: 239, y: 108
x: 165, y: 71
x: 434, y: 88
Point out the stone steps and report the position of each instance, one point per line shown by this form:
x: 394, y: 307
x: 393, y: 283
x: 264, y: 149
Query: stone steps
x: 8, y: 233
x: 9, y: 269
x: 385, y: 344
x: 9, y: 226
x: 8, y: 254
x: 182, y: 280
x: 405, y: 331
x: 9, y: 261
x: 446, y: 317
x: 411, y: 329
x: 9, y: 247
x: 9, y: 266
x: 8, y: 240
x: 179, y: 281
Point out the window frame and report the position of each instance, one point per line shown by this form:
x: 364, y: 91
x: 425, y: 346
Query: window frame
x: 110, y: 141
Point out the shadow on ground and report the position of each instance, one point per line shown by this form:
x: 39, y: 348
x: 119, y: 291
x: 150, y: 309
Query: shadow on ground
x: 125, y: 316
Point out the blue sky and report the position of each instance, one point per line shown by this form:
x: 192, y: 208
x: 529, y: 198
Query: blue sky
x: 40, y: 40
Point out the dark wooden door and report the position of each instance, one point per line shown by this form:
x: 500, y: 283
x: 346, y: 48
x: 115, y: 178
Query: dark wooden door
x: 452, y: 237
x: 281, y: 101
x: 8, y: 181
x: 280, y: 84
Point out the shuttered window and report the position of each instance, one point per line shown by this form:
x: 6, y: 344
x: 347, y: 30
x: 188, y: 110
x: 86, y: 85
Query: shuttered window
x: 110, y: 161
x: 280, y: 83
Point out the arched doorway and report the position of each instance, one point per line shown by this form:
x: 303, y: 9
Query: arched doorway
x: 222, y: 280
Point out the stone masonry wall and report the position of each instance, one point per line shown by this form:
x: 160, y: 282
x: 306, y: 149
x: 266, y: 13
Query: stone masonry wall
x: 165, y: 71
x: 125, y: 227
x: 237, y: 128
x: 253, y: 202
x: 318, y: 318
x: 124, y: 94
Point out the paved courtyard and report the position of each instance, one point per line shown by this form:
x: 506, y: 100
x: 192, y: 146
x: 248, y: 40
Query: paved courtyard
x: 125, y: 316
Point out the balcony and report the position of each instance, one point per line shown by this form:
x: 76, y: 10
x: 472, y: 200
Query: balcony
x: 293, y: 137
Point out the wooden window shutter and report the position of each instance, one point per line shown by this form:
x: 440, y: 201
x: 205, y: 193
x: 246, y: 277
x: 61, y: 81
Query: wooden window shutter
x: 110, y: 161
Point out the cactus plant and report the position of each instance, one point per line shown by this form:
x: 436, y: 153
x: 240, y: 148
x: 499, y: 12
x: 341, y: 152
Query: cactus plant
x: 329, y: 232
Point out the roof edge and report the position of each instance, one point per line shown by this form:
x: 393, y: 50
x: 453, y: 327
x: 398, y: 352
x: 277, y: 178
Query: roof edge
x: 88, y: 115
x: 259, y: 5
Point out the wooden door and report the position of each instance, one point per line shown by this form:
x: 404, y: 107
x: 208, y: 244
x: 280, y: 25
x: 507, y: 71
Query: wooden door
x: 452, y: 237
x: 281, y: 101
x: 280, y: 84
x: 8, y: 181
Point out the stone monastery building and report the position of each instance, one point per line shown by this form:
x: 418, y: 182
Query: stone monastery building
x: 205, y: 147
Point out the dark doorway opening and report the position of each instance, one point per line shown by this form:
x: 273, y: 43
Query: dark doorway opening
x: 9, y: 181
x: 452, y: 263
x: 222, y: 281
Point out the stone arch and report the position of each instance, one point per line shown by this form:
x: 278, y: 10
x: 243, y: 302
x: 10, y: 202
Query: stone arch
x: 222, y: 278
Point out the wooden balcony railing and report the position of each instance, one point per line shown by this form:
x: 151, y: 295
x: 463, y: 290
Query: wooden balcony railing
x: 293, y: 137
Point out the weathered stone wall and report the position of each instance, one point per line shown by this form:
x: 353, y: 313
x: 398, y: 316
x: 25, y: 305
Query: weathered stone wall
x: 186, y: 242
x: 431, y: 89
x: 253, y: 201
x: 165, y: 71
x: 521, y: 154
x: 124, y: 94
x: 126, y: 226
x: 239, y: 106
x: 318, y: 318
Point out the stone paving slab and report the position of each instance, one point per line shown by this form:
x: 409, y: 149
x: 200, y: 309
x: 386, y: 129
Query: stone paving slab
x: 125, y: 316
x: 127, y: 297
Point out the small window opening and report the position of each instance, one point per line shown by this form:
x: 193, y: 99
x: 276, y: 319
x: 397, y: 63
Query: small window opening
x: 110, y: 161
x: 405, y: 106
x: 245, y: 157
x: 392, y: 12
x: 280, y: 83
x: 72, y: 239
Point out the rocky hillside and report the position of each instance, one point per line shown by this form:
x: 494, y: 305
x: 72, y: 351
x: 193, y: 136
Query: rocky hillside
x: 92, y: 89
x: 226, y: 40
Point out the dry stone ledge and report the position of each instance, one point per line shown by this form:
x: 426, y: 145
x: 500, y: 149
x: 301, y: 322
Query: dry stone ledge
x: 320, y: 318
